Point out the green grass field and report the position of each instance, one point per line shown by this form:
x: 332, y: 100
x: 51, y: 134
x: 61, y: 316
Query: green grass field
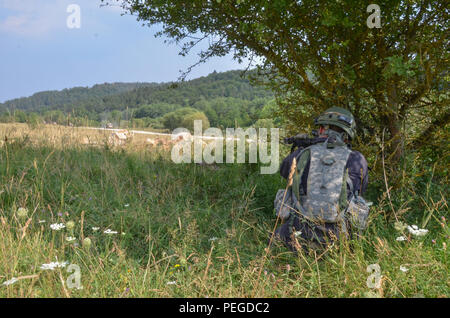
x: 188, y: 231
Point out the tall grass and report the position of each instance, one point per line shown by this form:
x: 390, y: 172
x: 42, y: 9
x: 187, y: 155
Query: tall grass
x: 189, y: 230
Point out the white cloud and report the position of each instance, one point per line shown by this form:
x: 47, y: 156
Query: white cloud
x: 32, y: 17
x: 14, y: 22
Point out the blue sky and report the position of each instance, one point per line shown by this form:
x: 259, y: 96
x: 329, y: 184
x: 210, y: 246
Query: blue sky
x: 39, y: 52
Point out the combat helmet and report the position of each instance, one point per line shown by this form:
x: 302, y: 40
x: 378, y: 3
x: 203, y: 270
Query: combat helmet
x: 339, y: 117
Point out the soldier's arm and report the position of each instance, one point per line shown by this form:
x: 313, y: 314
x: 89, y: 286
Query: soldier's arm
x: 358, y: 171
x: 287, y: 162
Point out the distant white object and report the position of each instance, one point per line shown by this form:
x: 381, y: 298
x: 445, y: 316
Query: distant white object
x: 183, y: 136
x: 109, y: 231
x: 57, y: 226
x: 414, y: 230
x: 53, y: 265
x: 118, y: 138
x: 85, y: 141
x: 404, y: 269
x: 10, y: 282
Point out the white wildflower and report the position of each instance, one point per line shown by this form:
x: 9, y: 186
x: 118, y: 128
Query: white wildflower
x: 22, y: 212
x: 414, y: 230
x: 126, y: 205
x: 57, y: 226
x: 401, y: 238
x: 53, y: 265
x: 108, y: 231
x: 172, y: 283
x: 212, y: 239
x: 94, y: 228
x: 10, y: 282
x: 41, y: 221
x: 404, y: 269
x: 70, y: 238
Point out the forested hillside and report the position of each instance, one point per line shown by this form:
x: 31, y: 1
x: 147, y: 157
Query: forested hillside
x: 226, y: 99
x: 71, y: 96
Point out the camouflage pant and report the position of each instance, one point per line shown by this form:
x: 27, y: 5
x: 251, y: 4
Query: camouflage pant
x: 299, y: 232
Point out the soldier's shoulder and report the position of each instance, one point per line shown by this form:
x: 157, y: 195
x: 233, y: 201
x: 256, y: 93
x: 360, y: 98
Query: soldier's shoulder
x: 356, y: 153
x: 357, y: 156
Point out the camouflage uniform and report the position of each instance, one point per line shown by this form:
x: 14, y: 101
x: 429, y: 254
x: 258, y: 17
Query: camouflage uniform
x: 309, y: 233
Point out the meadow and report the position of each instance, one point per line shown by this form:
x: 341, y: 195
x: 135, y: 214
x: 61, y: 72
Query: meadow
x: 138, y: 225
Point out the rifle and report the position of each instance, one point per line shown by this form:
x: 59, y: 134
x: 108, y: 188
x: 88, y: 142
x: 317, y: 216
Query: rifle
x: 303, y: 140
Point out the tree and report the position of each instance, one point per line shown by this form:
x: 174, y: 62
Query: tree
x: 116, y: 116
x: 188, y: 121
x: 54, y: 116
x: 155, y: 110
x: 319, y: 53
x: 174, y: 119
x: 33, y: 120
x: 270, y: 110
x: 20, y: 116
x: 264, y: 123
x: 228, y: 111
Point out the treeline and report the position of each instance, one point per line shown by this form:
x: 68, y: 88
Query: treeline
x: 220, y: 99
x: 72, y: 97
